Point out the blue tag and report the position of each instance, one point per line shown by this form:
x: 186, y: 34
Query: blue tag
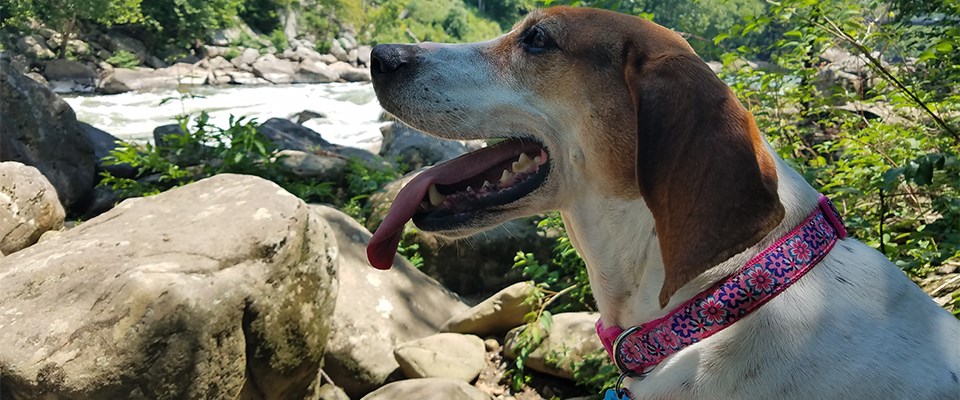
x: 611, y: 394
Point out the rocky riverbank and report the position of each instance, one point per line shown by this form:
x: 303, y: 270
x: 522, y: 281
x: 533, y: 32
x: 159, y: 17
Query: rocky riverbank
x: 109, y: 62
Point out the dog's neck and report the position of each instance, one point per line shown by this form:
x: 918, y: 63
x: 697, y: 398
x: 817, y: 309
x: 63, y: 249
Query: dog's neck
x: 618, y: 242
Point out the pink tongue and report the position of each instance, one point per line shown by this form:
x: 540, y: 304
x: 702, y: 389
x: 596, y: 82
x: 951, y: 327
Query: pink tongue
x: 383, y: 244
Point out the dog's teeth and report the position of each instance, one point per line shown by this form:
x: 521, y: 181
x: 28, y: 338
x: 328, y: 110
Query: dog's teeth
x: 537, y: 160
x: 469, y: 189
x: 506, y: 177
x: 436, y: 198
x: 487, y: 184
x: 522, y: 164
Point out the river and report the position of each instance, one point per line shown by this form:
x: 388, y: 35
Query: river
x: 352, y: 109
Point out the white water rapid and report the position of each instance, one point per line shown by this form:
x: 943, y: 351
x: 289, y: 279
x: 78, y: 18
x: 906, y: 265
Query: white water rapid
x: 351, y: 109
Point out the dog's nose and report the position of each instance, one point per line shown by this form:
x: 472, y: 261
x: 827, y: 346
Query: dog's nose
x: 388, y: 58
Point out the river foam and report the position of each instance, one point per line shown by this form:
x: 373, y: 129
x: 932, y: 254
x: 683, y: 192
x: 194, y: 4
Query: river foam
x: 352, y: 109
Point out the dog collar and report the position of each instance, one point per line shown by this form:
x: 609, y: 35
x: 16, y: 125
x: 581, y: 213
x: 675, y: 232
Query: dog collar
x: 638, y: 349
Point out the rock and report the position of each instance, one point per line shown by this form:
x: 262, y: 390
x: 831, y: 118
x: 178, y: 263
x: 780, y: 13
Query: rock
x: 352, y: 57
x: 377, y: 310
x: 103, y: 143
x: 219, y: 62
x: 214, y: 51
x: 416, y: 149
x: 350, y: 73
x: 428, y: 388
x: 46, y: 32
x: 715, y: 66
x: 218, y: 77
x: 274, y: 70
x: 122, y: 80
x: 499, y: 313
x: 363, y: 55
x: 347, y: 41
x: 186, y: 74
x: 330, y: 392
x: 337, y: 50
x: 327, y: 59
x: 38, y: 79
x: 575, y: 338
x: 70, y: 72
x: 34, y: 46
x: 303, y: 53
x: 309, y: 165
x: 219, y: 289
x: 115, y: 42
x: 289, y: 54
x: 245, y: 78
x: 286, y: 134
x: 247, y: 56
x: 78, y: 47
x: 28, y: 207
x: 40, y: 129
x: 444, y: 355
x: 153, y: 61
x: 100, y: 200
x: 313, y: 71
x: 307, y: 115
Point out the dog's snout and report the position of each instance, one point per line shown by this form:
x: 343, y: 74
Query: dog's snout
x: 388, y: 58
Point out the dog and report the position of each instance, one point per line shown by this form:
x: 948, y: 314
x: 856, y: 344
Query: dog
x: 666, y: 188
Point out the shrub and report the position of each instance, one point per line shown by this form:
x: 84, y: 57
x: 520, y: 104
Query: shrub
x: 123, y: 59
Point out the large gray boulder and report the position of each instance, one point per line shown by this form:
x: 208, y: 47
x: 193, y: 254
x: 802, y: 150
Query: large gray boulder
x: 286, y: 134
x: 428, y: 389
x: 314, y: 71
x: 219, y: 289
x: 103, y: 143
x: 273, y: 69
x: 70, y: 73
x: 28, y: 207
x: 121, y: 80
x: 377, y: 310
x: 350, y: 73
x: 40, y: 129
x: 35, y: 46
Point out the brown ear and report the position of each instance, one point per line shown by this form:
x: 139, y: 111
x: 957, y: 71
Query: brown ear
x: 701, y: 167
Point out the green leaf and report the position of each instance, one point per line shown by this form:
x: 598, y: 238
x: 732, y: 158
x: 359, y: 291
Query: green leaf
x: 924, y: 174
x: 891, y: 177
x: 719, y: 38
x: 944, y: 47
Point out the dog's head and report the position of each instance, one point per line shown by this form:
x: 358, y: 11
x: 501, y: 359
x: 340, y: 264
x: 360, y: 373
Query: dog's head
x: 586, y: 100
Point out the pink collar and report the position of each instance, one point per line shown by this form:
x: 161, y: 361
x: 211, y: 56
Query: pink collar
x: 640, y: 348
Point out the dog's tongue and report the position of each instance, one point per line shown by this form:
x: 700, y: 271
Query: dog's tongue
x: 383, y: 244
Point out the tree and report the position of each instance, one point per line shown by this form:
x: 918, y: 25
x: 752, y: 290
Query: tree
x: 64, y: 15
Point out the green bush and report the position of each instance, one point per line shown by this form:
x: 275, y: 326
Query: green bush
x: 123, y: 59
x: 183, y: 23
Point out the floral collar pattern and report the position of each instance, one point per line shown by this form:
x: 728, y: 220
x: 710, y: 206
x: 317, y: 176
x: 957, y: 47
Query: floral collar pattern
x: 640, y: 348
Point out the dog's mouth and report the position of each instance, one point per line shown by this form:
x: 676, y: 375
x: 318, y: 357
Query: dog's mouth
x: 461, y: 192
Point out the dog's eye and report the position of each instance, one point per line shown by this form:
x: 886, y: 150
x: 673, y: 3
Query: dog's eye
x: 536, y: 40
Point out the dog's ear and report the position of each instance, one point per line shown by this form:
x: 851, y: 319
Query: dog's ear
x: 701, y: 166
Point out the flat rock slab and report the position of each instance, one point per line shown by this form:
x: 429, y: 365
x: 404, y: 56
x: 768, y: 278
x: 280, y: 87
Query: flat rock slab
x: 28, y: 206
x: 428, y: 389
x: 212, y: 290
x: 444, y: 355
